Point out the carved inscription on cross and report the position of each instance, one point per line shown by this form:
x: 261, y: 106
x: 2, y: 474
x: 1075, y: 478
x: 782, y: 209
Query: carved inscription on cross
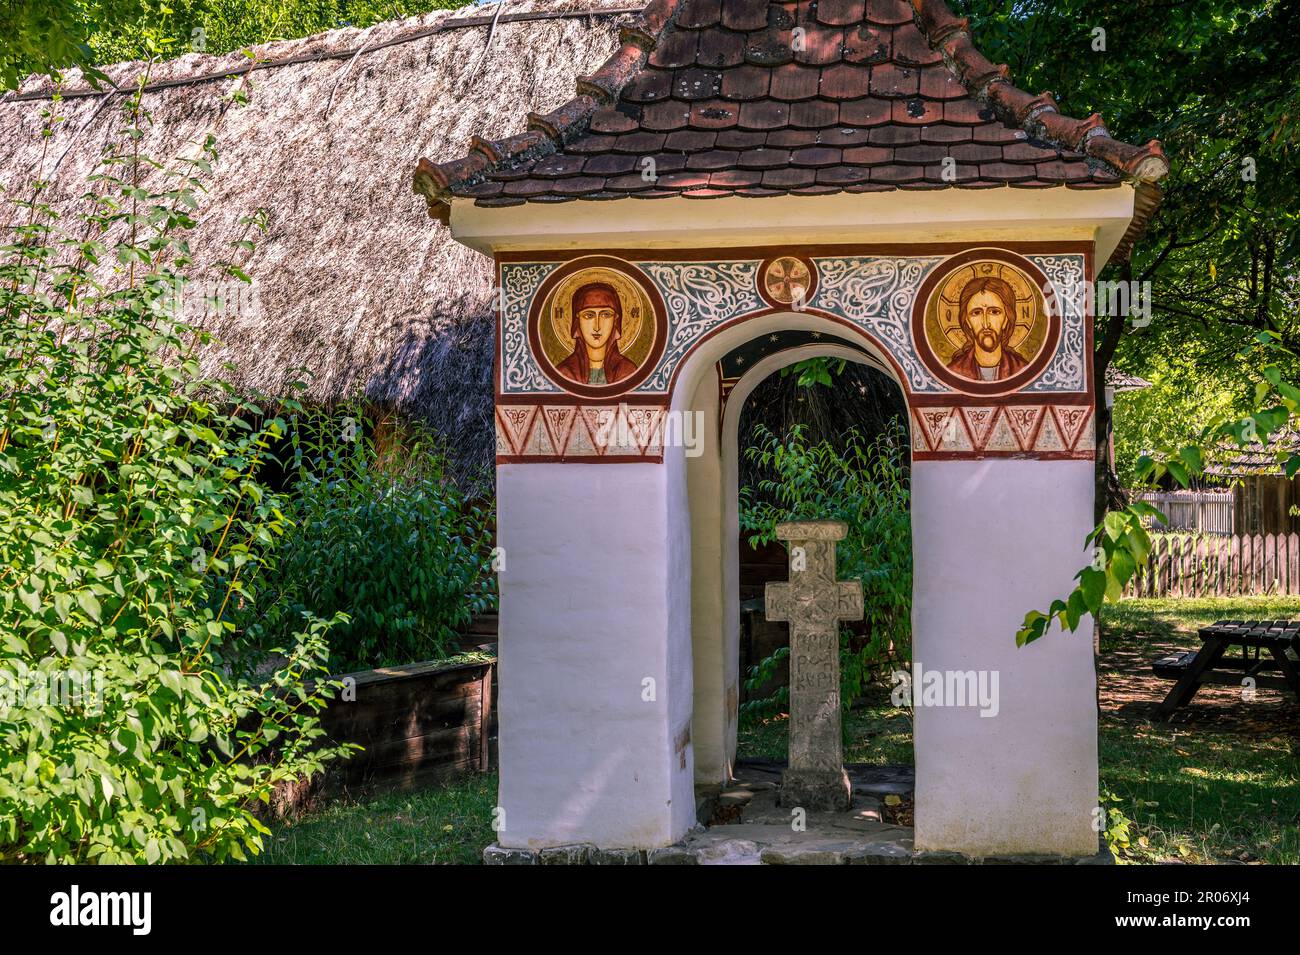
x: 814, y: 603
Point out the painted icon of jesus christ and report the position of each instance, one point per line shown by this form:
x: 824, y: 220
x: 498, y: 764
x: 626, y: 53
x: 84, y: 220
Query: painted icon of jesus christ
x: 987, y: 315
x: 596, y: 329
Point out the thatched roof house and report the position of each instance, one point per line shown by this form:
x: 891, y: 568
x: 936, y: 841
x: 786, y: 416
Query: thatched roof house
x: 352, y: 279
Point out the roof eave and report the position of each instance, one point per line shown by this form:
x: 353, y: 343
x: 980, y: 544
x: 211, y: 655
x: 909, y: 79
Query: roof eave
x: 899, y: 217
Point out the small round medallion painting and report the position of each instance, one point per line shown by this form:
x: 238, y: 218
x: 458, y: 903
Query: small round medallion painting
x: 788, y: 280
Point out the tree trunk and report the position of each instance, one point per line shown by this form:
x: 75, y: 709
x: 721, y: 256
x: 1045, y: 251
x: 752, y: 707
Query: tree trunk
x: 1108, y: 330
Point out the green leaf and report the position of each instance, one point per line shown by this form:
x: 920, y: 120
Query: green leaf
x: 173, y: 681
x: 1092, y: 585
x: 1191, y: 456
x: 89, y: 603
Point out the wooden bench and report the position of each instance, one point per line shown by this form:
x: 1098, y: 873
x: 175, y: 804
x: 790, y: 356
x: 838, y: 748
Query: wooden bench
x: 1270, y: 656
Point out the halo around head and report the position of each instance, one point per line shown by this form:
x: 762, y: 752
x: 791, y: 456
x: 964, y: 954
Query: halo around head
x: 630, y: 298
x: 1029, y: 303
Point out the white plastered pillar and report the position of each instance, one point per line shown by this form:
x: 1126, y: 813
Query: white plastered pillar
x: 992, y: 539
x: 716, y: 690
x: 594, y: 603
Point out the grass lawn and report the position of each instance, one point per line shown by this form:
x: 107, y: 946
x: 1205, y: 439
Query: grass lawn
x: 1221, y: 782
x: 448, y: 824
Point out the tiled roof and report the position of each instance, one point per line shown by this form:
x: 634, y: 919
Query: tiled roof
x: 710, y: 98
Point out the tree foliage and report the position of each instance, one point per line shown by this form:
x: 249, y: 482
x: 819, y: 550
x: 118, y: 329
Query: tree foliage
x: 134, y: 524
x: 1213, y: 80
x: 47, y: 36
x: 864, y: 485
x: 1120, y: 544
x: 389, y: 540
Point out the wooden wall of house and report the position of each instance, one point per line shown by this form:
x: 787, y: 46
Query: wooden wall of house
x: 1263, y: 504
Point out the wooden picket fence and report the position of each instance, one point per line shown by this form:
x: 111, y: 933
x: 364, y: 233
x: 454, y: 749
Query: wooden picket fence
x: 1204, y: 512
x: 1218, y: 565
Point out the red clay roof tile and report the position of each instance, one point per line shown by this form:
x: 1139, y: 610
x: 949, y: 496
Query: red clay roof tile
x: 744, y: 14
x: 794, y: 82
x: 814, y: 114
x: 578, y: 185
x: 639, y: 143
x: 792, y: 137
x: 740, y: 139
x: 713, y: 160
x: 764, y: 158
x: 789, y: 177
x: 896, y: 173
x: 819, y: 45
x: 915, y: 111
x: 764, y: 114
x: 868, y: 155
x: 840, y: 12
x: 609, y: 120
x: 867, y: 44
x: 938, y: 82
x: 890, y: 79
x: 610, y: 164
x: 843, y: 175
x: 650, y: 86
x: 746, y: 82
x: 1005, y: 171
x: 675, y: 48
x: 714, y: 114
x: 690, y: 140
x: 721, y: 48
x: 845, y: 81
x: 942, y: 133
x: 696, y: 83
x: 894, y: 135
x: 695, y: 14
x: 866, y: 112
x: 665, y: 117
x: 912, y: 49
x: 815, y: 156
x: 889, y: 12
x: 735, y: 178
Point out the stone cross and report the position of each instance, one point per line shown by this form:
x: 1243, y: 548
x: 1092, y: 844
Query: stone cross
x: 814, y: 603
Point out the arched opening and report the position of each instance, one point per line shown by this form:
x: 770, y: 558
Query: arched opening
x: 718, y: 381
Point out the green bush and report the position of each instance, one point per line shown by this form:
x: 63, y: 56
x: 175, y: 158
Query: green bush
x: 389, y: 539
x: 133, y: 523
x: 863, y: 485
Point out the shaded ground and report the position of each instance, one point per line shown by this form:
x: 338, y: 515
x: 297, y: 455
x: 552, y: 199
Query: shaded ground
x: 435, y: 826
x: 1138, y: 631
x: 1221, y: 780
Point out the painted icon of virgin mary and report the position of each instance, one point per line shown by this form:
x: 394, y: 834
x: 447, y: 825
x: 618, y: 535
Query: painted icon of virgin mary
x: 596, y: 328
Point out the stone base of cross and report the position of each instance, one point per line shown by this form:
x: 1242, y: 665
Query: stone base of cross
x: 814, y: 603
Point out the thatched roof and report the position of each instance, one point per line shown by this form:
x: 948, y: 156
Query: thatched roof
x: 354, y: 281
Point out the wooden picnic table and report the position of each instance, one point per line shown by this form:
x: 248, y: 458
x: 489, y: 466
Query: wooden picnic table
x: 1270, y: 655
